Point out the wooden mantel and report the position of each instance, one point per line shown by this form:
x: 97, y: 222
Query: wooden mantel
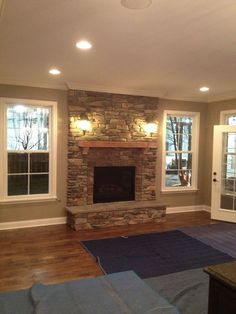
x: 116, y: 144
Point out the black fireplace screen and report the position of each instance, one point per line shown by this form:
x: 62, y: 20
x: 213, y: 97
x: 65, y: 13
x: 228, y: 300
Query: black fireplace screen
x: 113, y: 184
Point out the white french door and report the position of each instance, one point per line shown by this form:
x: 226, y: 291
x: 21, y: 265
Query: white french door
x: 223, y: 202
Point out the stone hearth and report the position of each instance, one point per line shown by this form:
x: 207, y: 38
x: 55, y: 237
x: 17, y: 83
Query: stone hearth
x: 115, y: 214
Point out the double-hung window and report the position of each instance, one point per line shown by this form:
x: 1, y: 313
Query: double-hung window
x: 28, y: 149
x: 228, y: 117
x: 180, y: 150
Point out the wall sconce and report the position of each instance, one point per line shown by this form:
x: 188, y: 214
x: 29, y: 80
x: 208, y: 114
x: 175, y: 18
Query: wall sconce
x: 150, y: 127
x: 83, y: 123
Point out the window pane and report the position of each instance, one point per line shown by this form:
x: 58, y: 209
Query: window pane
x: 171, y: 162
x: 18, y: 185
x: 230, y: 142
x: 231, y: 120
x: 178, y: 161
x: 39, y: 162
x: 172, y: 178
x: 185, y: 177
x: 178, y: 133
x: 176, y: 178
x: 179, y: 124
x: 186, y: 160
x: 27, y: 128
x: 17, y: 163
x: 39, y: 184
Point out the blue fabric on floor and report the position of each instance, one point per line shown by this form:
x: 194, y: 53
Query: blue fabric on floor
x: 187, y: 290
x: 154, y: 254
x: 221, y: 236
x: 16, y: 302
x: 116, y: 294
x: 122, y: 293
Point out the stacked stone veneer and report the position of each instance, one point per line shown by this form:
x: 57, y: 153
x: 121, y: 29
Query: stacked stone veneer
x: 114, y: 117
x: 114, y: 214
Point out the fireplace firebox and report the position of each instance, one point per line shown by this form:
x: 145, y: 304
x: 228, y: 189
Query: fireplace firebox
x: 113, y: 184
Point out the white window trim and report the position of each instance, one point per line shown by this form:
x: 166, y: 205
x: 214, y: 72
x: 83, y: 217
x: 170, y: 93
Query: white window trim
x: 224, y: 114
x: 195, y: 153
x: 4, y: 198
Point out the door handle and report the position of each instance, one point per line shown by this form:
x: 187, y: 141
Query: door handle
x: 215, y: 180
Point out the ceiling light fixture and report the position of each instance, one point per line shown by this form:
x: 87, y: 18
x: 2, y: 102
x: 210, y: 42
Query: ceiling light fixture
x: 204, y: 89
x: 136, y: 4
x: 54, y: 71
x: 83, y: 44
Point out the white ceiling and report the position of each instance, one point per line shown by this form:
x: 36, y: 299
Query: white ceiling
x: 168, y: 50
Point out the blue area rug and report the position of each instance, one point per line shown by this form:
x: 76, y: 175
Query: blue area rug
x: 221, y: 236
x: 154, y: 254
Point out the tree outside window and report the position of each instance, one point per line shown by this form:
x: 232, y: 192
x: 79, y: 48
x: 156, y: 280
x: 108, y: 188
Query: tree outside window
x: 28, y: 150
x: 180, y: 145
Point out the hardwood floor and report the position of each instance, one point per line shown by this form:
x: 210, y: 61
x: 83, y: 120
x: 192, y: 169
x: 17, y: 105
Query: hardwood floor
x: 54, y: 254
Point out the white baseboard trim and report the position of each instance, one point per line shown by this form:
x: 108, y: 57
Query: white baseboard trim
x: 184, y: 209
x: 207, y: 208
x: 62, y: 220
x: 32, y: 223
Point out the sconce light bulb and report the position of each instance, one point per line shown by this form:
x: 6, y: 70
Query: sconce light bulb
x: 150, y: 128
x: 84, y: 125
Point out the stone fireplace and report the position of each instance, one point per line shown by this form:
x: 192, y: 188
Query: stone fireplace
x: 117, y: 154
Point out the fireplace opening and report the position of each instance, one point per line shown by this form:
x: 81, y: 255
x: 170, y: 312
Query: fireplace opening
x: 113, y: 184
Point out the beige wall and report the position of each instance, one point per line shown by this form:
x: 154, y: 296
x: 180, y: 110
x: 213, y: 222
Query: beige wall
x: 213, y: 118
x: 188, y: 198
x: 48, y: 209
x: 209, y: 115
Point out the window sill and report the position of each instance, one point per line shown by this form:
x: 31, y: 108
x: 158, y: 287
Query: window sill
x: 179, y: 191
x: 29, y: 201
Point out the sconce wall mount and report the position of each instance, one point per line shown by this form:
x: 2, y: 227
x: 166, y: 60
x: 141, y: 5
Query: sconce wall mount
x: 83, y: 123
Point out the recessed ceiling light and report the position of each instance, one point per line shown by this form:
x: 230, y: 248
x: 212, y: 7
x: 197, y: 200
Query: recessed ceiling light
x: 136, y: 4
x: 204, y: 89
x: 83, y: 44
x: 54, y: 71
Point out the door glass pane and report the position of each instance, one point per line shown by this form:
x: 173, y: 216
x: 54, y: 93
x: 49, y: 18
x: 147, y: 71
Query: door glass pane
x: 228, y: 179
x: 230, y: 142
x: 17, y: 185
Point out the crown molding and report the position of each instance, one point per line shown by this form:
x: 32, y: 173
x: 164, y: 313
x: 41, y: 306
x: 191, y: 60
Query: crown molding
x: 125, y: 91
x: 222, y: 96
x: 149, y: 93
x: 115, y: 90
x: 54, y: 85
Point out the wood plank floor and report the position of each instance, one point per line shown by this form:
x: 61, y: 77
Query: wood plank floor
x: 54, y: 254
